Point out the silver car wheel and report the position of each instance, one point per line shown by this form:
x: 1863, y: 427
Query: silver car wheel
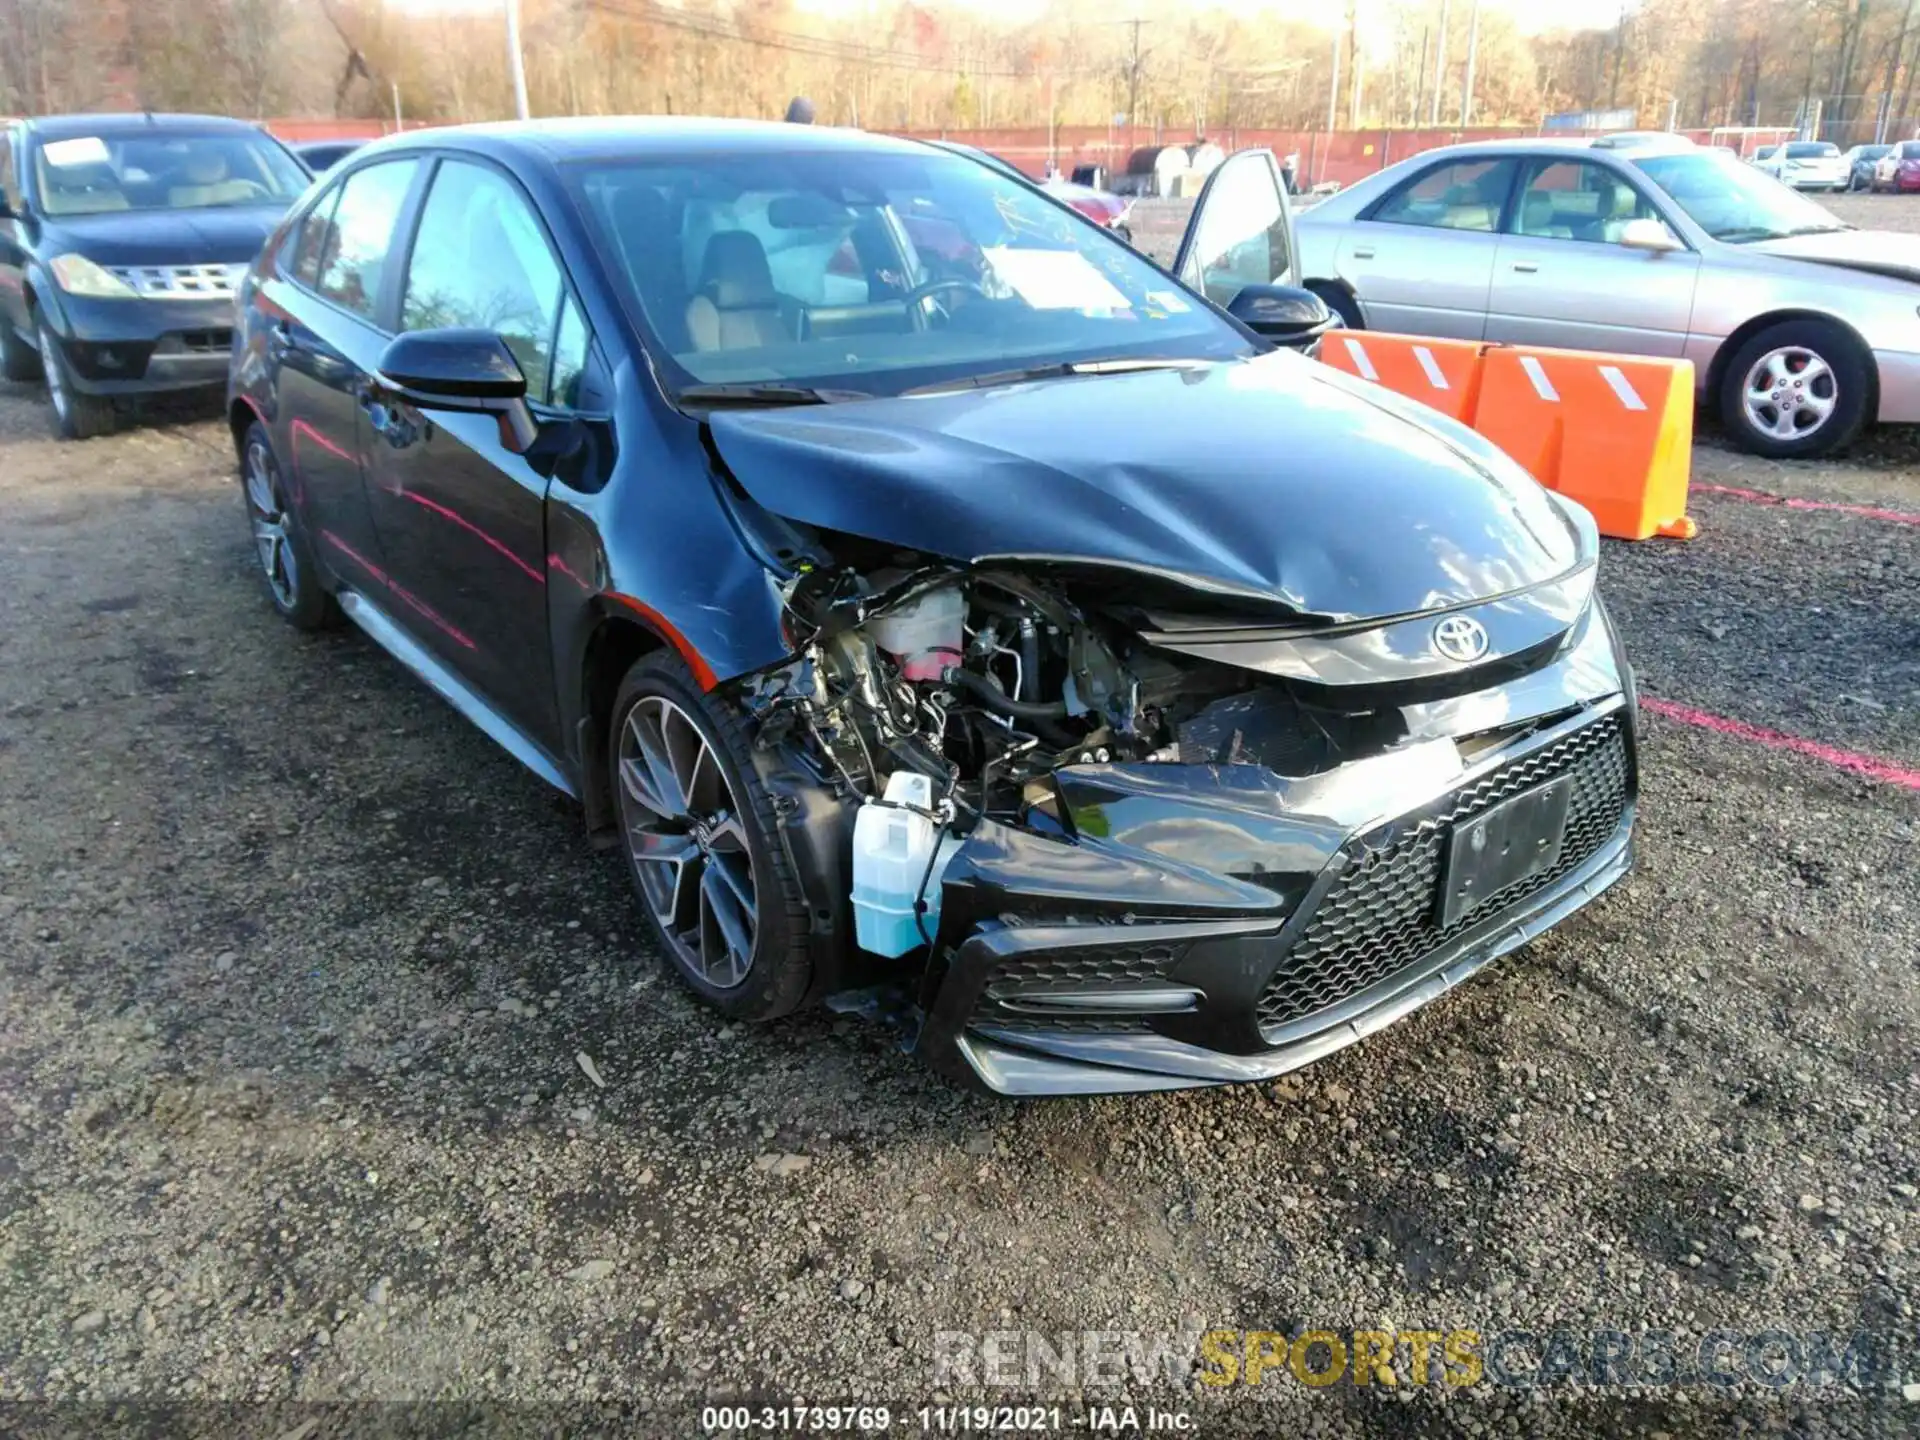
x: 269, y: 522
x: 1790, y: 393
x: 689, y: 848
x: 56, y: 378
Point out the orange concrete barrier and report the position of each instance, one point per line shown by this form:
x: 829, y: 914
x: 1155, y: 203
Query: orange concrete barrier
x: 1441, y: 374
x: 1614, y: 432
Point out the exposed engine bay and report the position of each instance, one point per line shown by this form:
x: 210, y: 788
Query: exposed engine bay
x: 987, y: 680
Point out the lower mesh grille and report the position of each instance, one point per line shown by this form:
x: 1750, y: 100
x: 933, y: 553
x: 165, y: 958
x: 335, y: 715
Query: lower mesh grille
x: 1094, y: 968
x: 1383, y: 914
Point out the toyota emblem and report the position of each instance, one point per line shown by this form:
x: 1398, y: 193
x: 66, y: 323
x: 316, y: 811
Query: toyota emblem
x: 1460, y: 639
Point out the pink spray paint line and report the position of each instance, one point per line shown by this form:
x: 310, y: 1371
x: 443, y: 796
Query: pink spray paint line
x: 1870, y: 766
x: 1792, y: 502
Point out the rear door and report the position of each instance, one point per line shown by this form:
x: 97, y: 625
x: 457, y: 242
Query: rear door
x: 1563, y: 278
x: 323, y: 346
x: 1240, y: 232
x: 1421, y: 259
x: 461, y: 518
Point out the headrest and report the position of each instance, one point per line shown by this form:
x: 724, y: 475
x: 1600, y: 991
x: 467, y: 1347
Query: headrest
x: 734, y: 275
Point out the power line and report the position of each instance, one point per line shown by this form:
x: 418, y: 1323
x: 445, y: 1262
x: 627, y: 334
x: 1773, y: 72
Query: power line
x: 716, y: 27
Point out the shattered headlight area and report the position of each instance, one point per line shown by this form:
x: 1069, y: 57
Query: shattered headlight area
x: 1092, y: 862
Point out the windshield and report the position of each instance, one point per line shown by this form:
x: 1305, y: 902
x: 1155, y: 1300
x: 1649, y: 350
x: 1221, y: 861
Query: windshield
x: 1910, y: 150
x: 1812, y: 150
x: 1734, y: 202
x: 163, y: 169
x: 876, y: 272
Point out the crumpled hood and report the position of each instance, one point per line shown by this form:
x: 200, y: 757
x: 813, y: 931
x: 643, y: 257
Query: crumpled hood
x: 1274, y: 477
x: 1879, y: 252
x: 212, y: 236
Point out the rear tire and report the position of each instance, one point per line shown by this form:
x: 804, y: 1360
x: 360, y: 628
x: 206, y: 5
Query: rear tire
x: 19, y: 361
x: 1796, y: 390
x: 702, y: 843
x: 1340, y: 300
x: 286, y: 560
x: 76, y: 415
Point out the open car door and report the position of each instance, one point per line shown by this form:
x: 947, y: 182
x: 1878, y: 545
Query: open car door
x: 1238, y: 252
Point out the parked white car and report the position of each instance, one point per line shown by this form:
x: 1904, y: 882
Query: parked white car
x: 1809, y: 165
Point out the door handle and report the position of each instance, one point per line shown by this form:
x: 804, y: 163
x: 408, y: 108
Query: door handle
x: 1526, y: 267
x: 1366, y: 254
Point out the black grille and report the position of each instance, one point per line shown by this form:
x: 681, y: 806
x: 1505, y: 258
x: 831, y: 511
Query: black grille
x: 1098, y: 967
x: 1383, y: 914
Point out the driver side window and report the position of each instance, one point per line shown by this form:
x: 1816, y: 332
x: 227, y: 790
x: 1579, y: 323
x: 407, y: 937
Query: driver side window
x: 1577, y: 200
x: 481, y: 260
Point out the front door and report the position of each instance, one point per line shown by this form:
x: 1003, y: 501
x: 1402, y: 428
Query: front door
x: 461, y: 518
x: 1421, y: 260
x: 1563, y: 278
x: 1241, y: 231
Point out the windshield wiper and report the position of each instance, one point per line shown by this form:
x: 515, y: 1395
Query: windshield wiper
x: 1052, y: 370
x: 1740, y: 234
x: 766, y: 394
x: 1820, y: 229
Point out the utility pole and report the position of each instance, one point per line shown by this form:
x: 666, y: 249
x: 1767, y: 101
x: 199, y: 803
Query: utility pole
x: 1333, y: 90
x: 515, y: 65
x: 1619, y: 45
x: 1420, y: 73
x: 1439, y: 63
x: 1353, y: 53
x: 1466, y: 86
x: 399, y: 124
x: 1133, y: 80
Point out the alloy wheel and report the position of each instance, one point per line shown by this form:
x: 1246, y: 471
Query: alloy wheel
x: 269, y: 519
x: 1790, y: 393
x: 689, y: 848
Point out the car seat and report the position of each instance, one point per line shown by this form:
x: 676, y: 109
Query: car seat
x: 737, y: 307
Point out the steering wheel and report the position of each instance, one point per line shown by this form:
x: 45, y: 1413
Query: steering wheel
x: 914, y: 299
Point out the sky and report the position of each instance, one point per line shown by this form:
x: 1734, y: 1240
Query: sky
x: 1531, y: 16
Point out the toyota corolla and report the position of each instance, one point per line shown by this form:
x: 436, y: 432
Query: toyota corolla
x: 929, y: 596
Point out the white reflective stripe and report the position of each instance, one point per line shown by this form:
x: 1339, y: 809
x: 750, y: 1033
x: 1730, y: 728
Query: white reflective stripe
x: 1431, y: 366
x: 1542, y: 386
x: 1622, y: 387
x: 1361, y: 362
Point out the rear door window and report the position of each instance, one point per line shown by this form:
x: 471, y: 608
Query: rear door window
x: 353, y: 264
x: 1464, y: 195
x: 316, y: 234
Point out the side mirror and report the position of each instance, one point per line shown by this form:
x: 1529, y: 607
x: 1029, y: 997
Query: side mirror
x: 1649, y: 234
x: 1284, y: 314
x: 467, y: 372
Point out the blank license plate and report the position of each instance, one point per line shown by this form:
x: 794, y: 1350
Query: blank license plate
x: 1514, y: 841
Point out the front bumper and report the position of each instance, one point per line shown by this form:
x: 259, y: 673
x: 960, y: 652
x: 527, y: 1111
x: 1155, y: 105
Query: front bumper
x: 1899, y: 387
x: 144, y: 347
x: 1123, y: 963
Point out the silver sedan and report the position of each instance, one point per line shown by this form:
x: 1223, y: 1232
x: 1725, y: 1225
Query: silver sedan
x: 1801, y: 328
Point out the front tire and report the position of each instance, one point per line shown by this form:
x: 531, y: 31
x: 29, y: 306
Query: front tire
x: 702, y: 844
x: 1341, y: 302
x: 76, y: 415
x: 286, y: 560
x: 1796, y: 390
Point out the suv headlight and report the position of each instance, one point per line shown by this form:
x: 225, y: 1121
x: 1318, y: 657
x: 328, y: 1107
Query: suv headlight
x: 80, y: 276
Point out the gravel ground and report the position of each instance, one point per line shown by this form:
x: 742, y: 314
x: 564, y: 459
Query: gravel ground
x: 295, y: 968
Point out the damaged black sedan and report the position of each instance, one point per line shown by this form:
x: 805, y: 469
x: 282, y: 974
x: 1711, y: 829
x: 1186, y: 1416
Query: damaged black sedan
x: 929, y: 596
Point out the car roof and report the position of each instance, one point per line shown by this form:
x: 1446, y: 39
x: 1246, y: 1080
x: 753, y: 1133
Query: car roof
x: 57, y: 127
x: 630, y: 137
